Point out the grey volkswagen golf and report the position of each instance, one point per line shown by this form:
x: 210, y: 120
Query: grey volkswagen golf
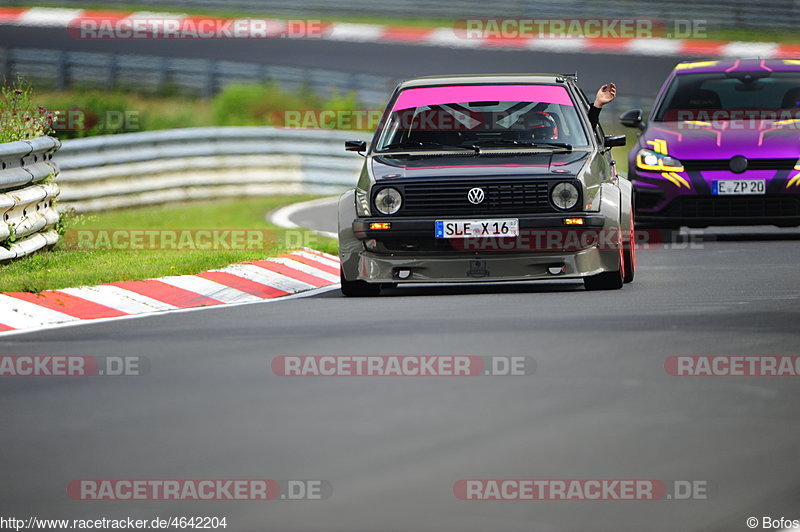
x: 486, y: 178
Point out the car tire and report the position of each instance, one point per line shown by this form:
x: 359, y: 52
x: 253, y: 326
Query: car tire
x: 629, y: 266
x: 612, y: 280
x: 604, y: 281
x: 629, y: 256
x: 358, y: 288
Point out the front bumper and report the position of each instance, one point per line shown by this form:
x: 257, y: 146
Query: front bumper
x: 661, y: 203
x: 408, y: 252
x: 379, y: 268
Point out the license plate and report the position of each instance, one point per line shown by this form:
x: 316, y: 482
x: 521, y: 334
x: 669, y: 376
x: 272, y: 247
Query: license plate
x: 477, y: 228
x: 739, y: 186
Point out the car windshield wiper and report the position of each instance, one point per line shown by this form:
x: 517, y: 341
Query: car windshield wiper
x: 521, y: 144
x: 422, y: 146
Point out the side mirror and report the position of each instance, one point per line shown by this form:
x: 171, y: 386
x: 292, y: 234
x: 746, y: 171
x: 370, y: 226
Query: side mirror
x: 632, y: 118
x: 355, y: 145
x: 613, y: 141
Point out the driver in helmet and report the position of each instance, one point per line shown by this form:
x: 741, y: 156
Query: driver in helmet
x: 543, y: 126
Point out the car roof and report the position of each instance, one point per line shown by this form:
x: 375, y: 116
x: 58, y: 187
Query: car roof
x: 467, y: 79
x: 734, y: 65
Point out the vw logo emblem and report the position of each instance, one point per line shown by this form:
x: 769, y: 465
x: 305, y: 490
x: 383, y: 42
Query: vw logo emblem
x: 476, y: 196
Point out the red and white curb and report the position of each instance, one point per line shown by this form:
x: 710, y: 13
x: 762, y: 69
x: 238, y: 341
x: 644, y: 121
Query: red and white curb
x: 247, y: 282
x: 447, y: 37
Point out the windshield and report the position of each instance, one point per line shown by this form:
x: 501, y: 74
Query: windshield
x: 482, y: 115
x: 711, y: 96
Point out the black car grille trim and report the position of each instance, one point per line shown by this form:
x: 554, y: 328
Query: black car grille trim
x: 738, y: 207
x: 449, y: 197
x: 691, y: 165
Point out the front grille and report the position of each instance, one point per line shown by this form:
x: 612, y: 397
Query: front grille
x: 646, y: 199
x: 740, y: 207
x: 691, y: 165
x: 449, y: 197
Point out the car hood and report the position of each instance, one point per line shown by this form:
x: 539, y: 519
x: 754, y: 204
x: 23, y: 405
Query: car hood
x: 721, y: 141
x: 468, y: 165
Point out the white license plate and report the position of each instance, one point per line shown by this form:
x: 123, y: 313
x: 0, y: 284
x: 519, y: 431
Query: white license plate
x: 477, y: 228
x: 739, y: 186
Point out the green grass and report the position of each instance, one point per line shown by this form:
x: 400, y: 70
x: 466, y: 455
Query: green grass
x: 88, y: 112
x: 67, y: 266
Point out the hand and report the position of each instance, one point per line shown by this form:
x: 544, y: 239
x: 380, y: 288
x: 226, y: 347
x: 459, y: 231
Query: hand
x: 605, y: 95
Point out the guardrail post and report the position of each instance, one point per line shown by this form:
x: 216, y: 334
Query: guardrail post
x: 163, y: 75
x: 111, y: 74
x: 208, y: 85
x: 7, y: 64
x: 63, y: 65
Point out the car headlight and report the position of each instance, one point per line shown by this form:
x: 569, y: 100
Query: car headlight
x: 657, y: 162
x: 388, y: 200
x: 565, y: 195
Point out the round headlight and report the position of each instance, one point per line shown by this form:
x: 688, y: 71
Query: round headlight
x: 388, y: 200
x: 565, y: 196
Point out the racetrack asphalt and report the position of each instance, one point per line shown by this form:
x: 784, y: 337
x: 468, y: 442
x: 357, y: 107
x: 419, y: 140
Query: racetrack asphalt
x: 599, y: 404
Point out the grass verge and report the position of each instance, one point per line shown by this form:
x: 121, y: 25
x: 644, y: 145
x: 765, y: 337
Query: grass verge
x: 94, y: 262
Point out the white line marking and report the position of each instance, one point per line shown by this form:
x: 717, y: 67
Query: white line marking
x: 157, y: 16
x: 308, y: 293
x: 266, y: 277
x: 334, y: 258
x: 208, y: 288
x: 356, y: 32
x: 317, y: 258
x: 655, y: 46
x: 20, y: 314
x: 763, y: 50
x: 305, y: 268
x: 283, y: 217
x: 118, y: 299
x: 48, y: 17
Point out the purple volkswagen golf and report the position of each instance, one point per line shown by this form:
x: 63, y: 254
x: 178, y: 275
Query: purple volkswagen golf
x: 721, y: 146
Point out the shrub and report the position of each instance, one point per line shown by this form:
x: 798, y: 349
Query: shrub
x: 20, y: 119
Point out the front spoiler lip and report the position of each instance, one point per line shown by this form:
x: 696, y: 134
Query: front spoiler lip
x: 377, y: 268
x: 422, y: 227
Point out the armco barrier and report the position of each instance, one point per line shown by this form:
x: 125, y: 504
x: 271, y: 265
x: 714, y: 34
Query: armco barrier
x: 27, y: 215
x: 108, y: 172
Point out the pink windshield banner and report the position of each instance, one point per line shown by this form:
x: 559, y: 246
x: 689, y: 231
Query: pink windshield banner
x: 410, y: 98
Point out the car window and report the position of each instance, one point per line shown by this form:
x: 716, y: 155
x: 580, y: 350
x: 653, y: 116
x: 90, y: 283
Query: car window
x: 463, y: 123
x: 756, y: 91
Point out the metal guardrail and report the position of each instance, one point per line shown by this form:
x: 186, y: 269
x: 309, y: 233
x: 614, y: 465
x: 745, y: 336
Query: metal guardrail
x: 114, y: 171
x: 203, y: 77
x: 27, y: 215
x: 767, y: 14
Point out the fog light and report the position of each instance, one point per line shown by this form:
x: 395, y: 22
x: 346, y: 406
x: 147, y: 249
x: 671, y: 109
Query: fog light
x: 556, y: 269
x: 379, y: 226
x: 403, y: 274
x: 573, y: 221
x: 371, y: 244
